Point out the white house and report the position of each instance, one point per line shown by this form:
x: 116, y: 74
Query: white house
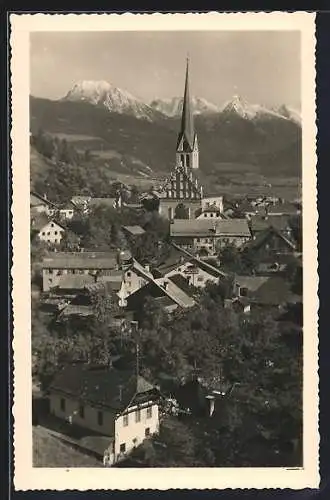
x: 116, y: 404
x: 52, y: 232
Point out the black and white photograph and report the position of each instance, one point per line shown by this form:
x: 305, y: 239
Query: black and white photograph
x: 166, y: 249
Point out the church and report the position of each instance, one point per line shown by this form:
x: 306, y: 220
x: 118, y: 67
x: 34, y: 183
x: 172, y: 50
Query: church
x: 181, y: 197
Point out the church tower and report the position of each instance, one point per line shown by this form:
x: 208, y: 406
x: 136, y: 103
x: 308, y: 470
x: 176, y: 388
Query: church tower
x: 187, y: 155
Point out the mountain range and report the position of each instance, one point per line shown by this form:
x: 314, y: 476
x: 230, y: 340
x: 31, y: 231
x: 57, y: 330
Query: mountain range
x: 125, y: 134
x: 114, y: 99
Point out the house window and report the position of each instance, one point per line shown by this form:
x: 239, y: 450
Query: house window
x: 147, y: 432
x: 122, y: 448
x: 55, y: 232
x: 62, y: 404
x: 200, y: 278
x: 43, y: 233
x: 211, y: 215
x: 52, y: 225
x: 55, y: 241
x: 243, y: 291
x: 138, y: 416
x: 129, y: 274
x: 50, y: 271
x: 125, y: 420
x: 100, y: 418
x: 198, y: 240
x: 205, y: 215
x: 48, y: 233
x: 81, y: 411
x: 149, y: 412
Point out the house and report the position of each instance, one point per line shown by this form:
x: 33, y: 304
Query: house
x: 116, y: 404
x: 167, y: 293
x: 259, y: 223
x: 269, y: 246
x: 81, y: 305
x: 40, y: 204
x: 196, y: 272
x: 67, y: 210
x: 97, y: 264
x: 133, y: 233
x: 209, y: 235
x: 48, y: 230
x: 264, y: 291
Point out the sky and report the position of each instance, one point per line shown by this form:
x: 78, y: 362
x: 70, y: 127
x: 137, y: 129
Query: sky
x: 261, y: 66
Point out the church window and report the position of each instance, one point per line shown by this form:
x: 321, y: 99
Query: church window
x: 188, y: 161
x: 182, y: 160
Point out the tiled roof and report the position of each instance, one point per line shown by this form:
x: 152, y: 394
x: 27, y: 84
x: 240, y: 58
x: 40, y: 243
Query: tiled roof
x: 209, y: 227
x: 36, y: 199
x: 100, y: 386
x: 262, y: 237
x: 174, y: 292
x: 81, y: 260
x: 252, y: 283
x: 134, y: 230
x: 276, y: 290
x: 259, y: 223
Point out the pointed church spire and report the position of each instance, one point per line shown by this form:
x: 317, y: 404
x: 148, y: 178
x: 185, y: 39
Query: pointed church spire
x: 187, y: 120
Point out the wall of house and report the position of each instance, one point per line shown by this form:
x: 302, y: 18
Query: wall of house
x: 238, y: 241
x: 132, y: 282
x: 51, y: 233
x: 135, y: 432
x: 198, y: 278
x: 90, y: 417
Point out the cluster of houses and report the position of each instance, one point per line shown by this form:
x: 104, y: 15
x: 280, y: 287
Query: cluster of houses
x: 121, y: 409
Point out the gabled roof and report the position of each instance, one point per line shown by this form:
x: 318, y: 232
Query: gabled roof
x: 100, y: 386
x: 36, y: 199
x: 42, y: 221
x: 259, y: 223
x: 214, y: 271
x: 263, y: 236
x: 80, y: 260
x: 276, y: 290
x: 209, y: 227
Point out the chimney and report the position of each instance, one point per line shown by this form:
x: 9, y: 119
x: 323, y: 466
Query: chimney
x: 147, y: 267
x: 165, y: 284
x: 211, y: 404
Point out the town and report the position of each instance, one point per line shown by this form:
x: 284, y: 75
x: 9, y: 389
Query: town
x: 167, y: 324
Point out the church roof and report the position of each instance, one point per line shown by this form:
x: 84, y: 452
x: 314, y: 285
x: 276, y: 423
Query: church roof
x: 187, y: 132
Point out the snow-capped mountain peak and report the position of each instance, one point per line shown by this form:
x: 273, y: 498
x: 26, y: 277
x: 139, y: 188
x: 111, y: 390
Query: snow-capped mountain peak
x: 112, y: 98
x: 173, y: 106
x: 239, y: 106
